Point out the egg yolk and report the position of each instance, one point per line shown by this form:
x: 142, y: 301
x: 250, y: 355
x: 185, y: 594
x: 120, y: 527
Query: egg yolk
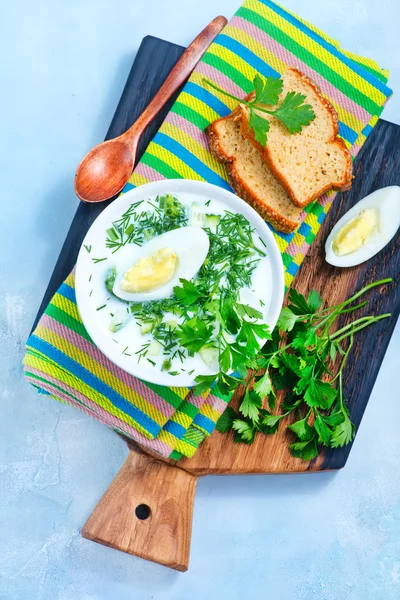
x: 355, y: 233
x: 151, y: 272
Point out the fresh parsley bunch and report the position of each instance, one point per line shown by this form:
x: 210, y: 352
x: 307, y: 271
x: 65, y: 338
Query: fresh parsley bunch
x: 292, y: 112
x: 298, y: 360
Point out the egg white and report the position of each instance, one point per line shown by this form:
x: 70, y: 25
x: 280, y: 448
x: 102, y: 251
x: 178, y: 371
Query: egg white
x: 190, y: 244
x: 386, y: 201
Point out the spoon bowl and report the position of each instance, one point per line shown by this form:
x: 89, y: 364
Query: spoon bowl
x: 104, y: 171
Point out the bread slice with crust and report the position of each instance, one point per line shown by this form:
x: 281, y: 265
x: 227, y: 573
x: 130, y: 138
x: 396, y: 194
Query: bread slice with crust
x: 249, y: 175
x: 313, y: 161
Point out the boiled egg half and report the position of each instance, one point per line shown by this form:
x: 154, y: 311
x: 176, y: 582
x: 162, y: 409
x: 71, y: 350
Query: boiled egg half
x: 151, y: 271
x: 365, y: 229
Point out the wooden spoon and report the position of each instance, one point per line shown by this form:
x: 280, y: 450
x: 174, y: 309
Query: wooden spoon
x: 105, y: 170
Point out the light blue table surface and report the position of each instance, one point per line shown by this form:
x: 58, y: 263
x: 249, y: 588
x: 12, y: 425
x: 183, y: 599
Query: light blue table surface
x: 331, y: 536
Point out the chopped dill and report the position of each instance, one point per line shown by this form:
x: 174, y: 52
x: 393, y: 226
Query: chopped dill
x: 98, y: 260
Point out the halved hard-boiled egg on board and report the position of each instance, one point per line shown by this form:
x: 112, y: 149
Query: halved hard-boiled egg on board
x: 365, y: 229
x: 165, y: 241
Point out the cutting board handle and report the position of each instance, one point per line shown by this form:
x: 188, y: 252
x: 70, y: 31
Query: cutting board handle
x: 147, y: 511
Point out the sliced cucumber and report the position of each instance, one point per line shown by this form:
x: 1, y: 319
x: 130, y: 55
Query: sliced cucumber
x: 172, y: 323
x: 209, y: 354
x: 118, y: 321
x: 212, y: 220
x: 154, y: 349
x: 197, y: 217
x: 149, y: 325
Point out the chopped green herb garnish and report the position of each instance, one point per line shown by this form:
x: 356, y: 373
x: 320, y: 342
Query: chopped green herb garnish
x: 208, y: 202
x: 137, y: 227
x: 90, y: 277
x: 110, y: 279
x: 98, y: 260
x: 101, y: 307
x: 87, y: 248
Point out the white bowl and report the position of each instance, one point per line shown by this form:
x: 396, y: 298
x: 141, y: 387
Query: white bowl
x: 89, y: 276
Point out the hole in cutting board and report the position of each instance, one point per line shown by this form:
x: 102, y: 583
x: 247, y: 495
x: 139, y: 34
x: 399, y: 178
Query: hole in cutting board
x: 142, y: 511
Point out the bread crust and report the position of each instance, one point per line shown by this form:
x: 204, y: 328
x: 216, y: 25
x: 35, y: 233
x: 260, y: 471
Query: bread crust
x: 344, y: 184
x: 239, y: 184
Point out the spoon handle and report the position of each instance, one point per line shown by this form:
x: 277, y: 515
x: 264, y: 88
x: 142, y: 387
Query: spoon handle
x: 175, y: 79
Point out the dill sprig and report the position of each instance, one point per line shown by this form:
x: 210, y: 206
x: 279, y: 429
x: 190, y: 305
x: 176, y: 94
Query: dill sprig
x: 137, y: 227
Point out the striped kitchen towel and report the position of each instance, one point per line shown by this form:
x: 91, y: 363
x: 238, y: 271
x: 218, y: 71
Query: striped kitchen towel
x: 264, y: 38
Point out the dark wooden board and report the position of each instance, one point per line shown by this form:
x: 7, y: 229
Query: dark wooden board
x: 377, y: 165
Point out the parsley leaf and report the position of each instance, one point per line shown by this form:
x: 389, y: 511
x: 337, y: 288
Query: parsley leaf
x: 343, y: 433
x: 270, y: 422
x: 324, y: 433
x: 297, y: 303
x: 264, y: 385
x: 188, y: 294
x: 267, y: 90
x: 227, y: 384
x: 302, y: 429
x: 314, y: 301
x: 194, y: 334
x: 287, y: 319
x: 229, y: 316
x: 225, y: 359
x: 250, y: 405
x: 306, y: 450
x: 245, y: 431
x: 260, y: 127
x: 225, y: 422
x: 293, y: 113
x: 203, y: 383
x: 320, y: 394
x: 244, y: 310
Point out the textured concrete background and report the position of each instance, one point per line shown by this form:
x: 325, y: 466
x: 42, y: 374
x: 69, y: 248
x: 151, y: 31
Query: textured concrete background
x: 308, y: 537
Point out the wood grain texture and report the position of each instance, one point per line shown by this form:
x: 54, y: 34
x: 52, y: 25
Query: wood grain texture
x: 163, y: 496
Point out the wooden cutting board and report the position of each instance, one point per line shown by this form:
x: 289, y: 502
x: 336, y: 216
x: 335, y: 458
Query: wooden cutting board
x: 147, y: 510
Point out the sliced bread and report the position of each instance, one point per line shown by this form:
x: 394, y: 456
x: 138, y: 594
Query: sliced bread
x: 313, y: 161
x: 249, y: 175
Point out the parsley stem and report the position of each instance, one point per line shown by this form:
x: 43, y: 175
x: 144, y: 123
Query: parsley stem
x: 365, y: 289
x: 216, y: 87
x: 346, y: 354
x: 350, y: 326
x: 352, y: 308
x: 370, y: 322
